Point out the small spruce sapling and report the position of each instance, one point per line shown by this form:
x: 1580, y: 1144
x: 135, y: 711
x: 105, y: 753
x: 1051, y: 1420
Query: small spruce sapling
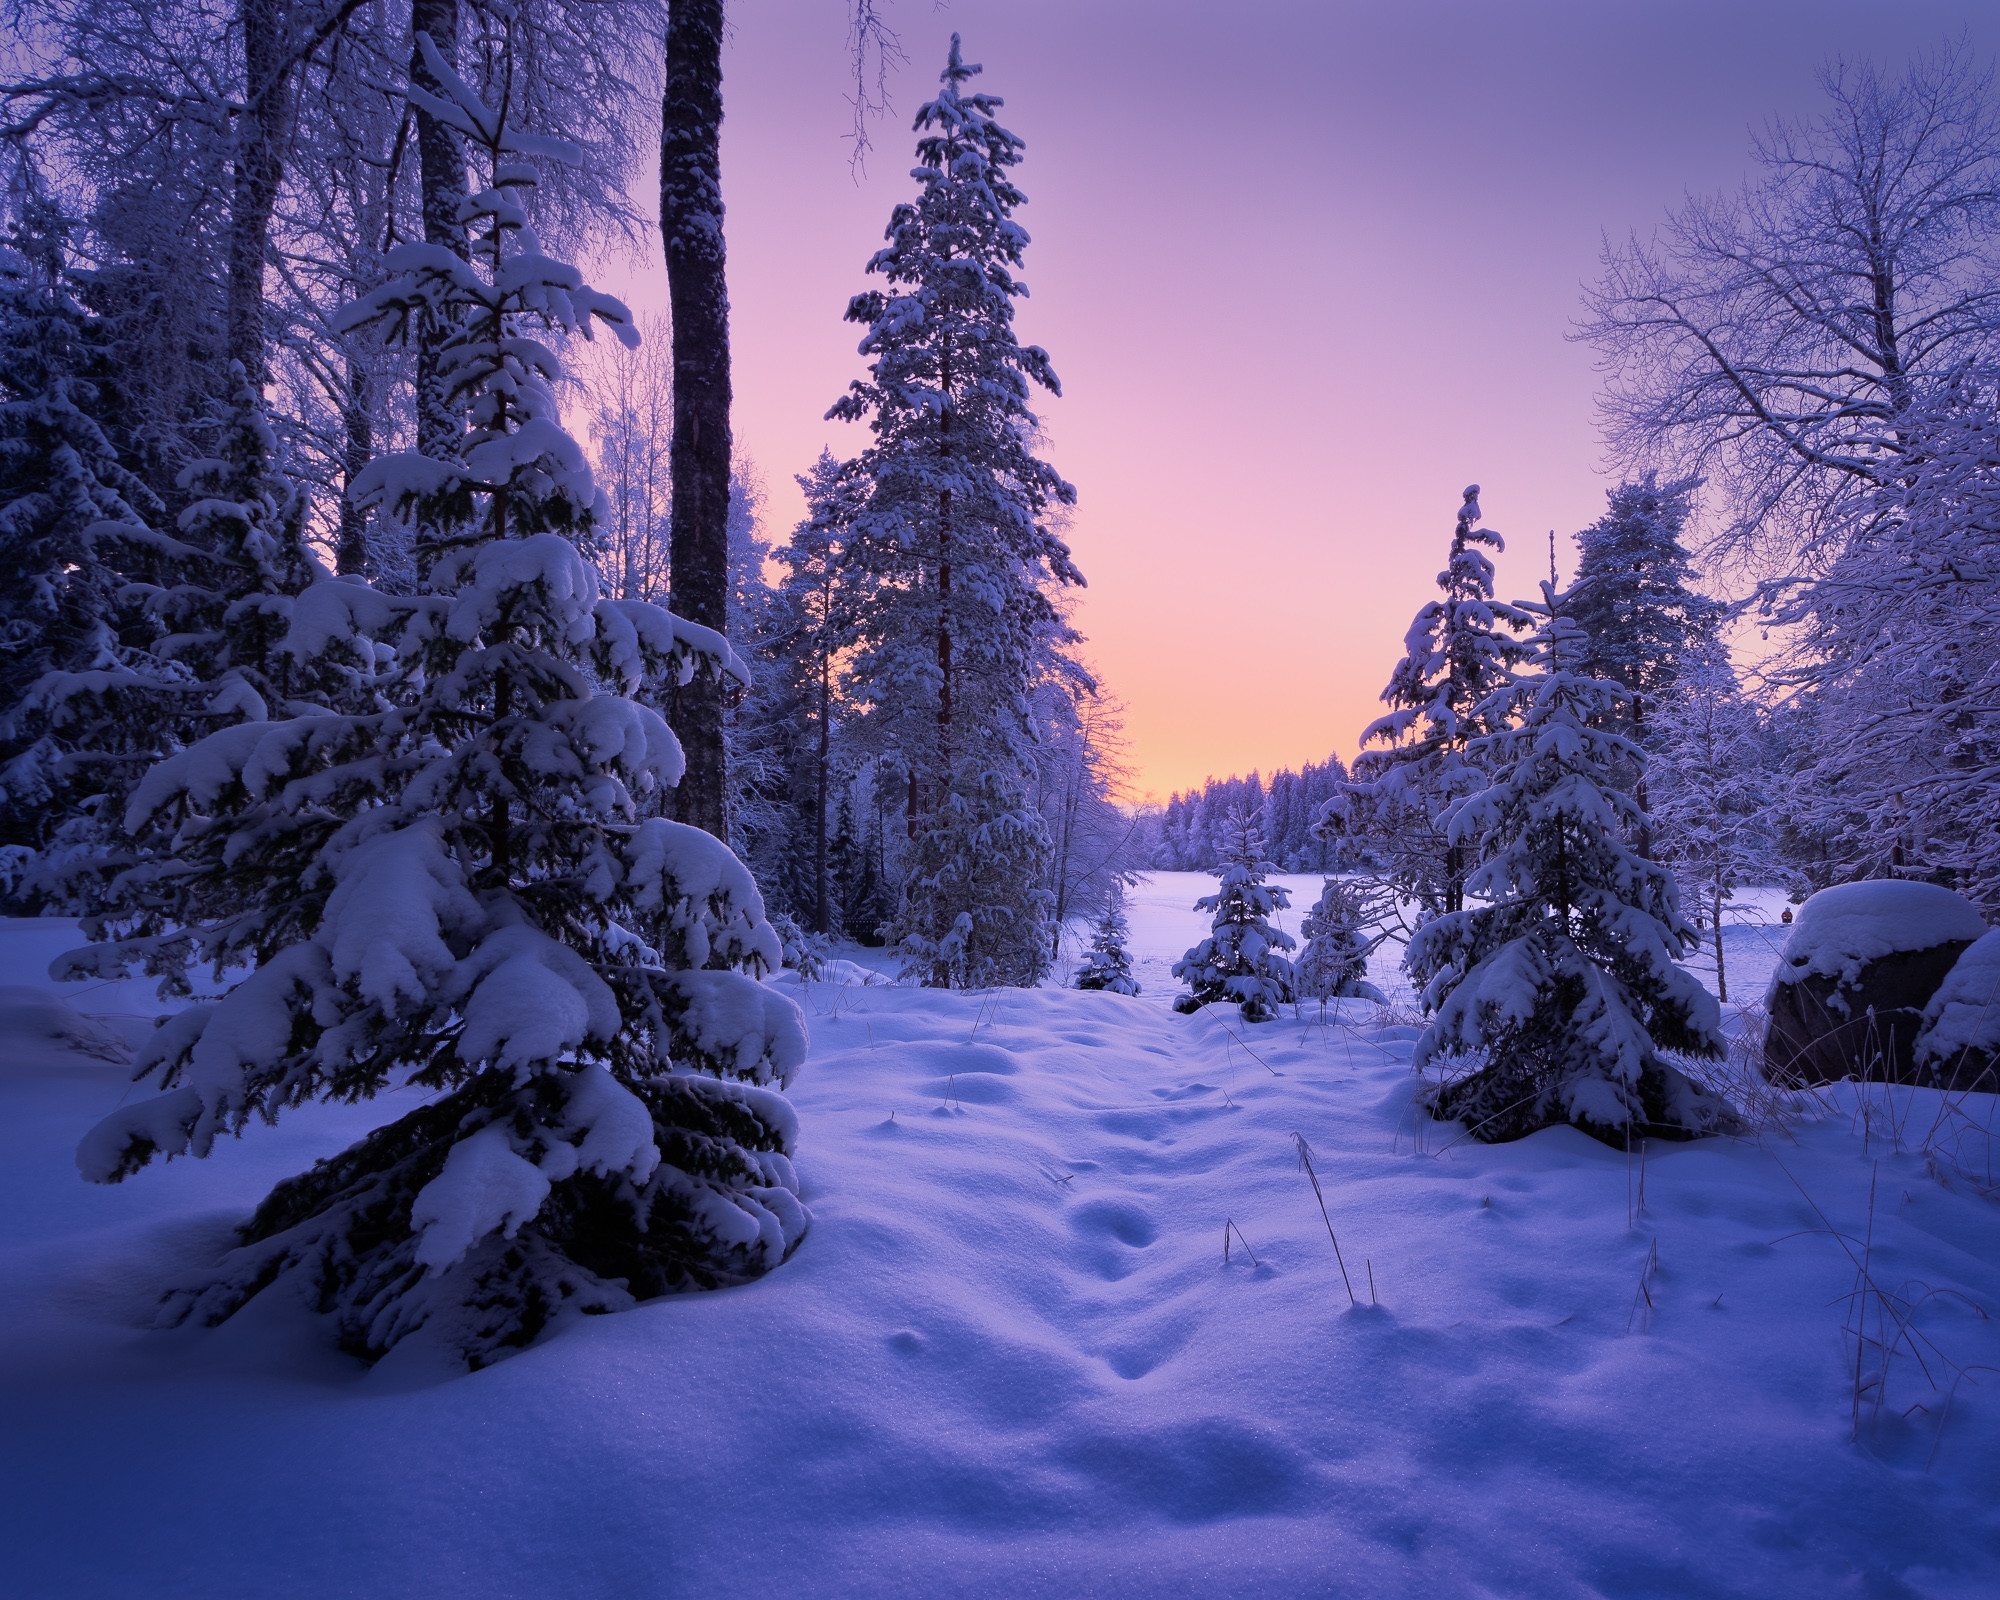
x: 1559, y: 979
x: 1107, y: 964
x: 1242, y: 959
x: 1340, y: 933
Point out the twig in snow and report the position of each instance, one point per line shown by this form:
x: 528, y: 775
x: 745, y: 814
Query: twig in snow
x: 1252, y: 1054
x: 1306, y: 1161
x: 1652, y: 1265
x: 1227, y: 1227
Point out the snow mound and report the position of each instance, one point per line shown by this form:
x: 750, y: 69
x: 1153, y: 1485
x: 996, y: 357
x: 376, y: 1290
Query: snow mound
x: 32, y: 1018
x: 1840, y: 930
x: 836, y: 972
x: 1964, y: 1015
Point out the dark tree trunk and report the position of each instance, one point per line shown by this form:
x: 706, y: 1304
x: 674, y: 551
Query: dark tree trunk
x: 263, y: 128
x: 351, y: 554
x: 819, y: 800
x: 1645, y: 840
x: 944, y: 582
x: 441, y: 172
x: 691, y: 226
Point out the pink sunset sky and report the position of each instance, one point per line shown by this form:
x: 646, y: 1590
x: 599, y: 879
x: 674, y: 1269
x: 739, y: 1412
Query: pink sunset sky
x: 1306, y: 270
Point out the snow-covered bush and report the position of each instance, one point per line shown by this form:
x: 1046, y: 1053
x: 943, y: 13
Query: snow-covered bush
x: 1242, y: 959
x: 1107, y: 964
x: 1559, y: 979
x: 1339, y: 934
x: 468, y: 887
x: 64, y: 495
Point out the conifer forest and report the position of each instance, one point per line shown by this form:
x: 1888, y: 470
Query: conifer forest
x: 615, y: 976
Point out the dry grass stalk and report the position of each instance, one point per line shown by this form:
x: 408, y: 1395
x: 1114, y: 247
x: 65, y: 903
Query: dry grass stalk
x: 1229, y: 1227
x: 1647, y: 1273
x: 1306, y: 1161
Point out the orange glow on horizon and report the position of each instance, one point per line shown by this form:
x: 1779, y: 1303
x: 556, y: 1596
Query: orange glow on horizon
x: 1304, y: 278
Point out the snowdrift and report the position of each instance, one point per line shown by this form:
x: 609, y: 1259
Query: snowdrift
x: 1011, y: 1358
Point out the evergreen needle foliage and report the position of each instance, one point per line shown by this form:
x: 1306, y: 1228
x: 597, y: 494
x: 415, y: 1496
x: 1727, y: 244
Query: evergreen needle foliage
x: 1340, y: 933
x: 1559, y: 980
x: 952, y: 539
x: 456, y: 876
x: 1107, y: 964
x: 1460, y: 649
x: 1242, y: 959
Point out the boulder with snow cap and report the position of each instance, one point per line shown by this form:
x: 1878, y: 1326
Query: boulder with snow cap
x: 1862, y: 963
x: 1958, y: 1046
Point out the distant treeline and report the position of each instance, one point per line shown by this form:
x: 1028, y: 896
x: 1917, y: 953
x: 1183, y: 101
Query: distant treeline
x: 1186, y: 836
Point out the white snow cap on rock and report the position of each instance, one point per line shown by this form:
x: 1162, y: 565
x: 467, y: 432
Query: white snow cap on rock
x: 1964, y: 1015
x: 1840, y: 930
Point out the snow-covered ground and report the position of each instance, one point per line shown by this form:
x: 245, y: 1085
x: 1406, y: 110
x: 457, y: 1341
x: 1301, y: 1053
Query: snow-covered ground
x: 1011, y: 1359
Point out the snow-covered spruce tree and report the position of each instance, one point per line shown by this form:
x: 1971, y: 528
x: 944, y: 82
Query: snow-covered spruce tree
x: 1457, y: 653
x: 952, y: 540
x: 1632, y: 595
x: 469, y: 888
x: 1242, y: 959
x: 1340, y: 932
x: 806, y: 628
x: 974, y: 914
x: 64, y: 497
x: 1107, y: 964
x: 1713, y: 795
x: 184, y: 631
x: 1560, y: 980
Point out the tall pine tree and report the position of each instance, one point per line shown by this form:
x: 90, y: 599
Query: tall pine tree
x: 67, y: 507
x: 1633, y: 600
x: 953, y: 530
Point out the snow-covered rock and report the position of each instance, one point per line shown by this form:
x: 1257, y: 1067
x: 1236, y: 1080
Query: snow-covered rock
x: 1841, y: 930
x: 1863, y: 961
x: 1960, y: 1039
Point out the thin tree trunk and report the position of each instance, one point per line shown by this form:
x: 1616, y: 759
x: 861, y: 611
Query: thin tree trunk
x: 1072, y: 800
x: 944, y: 581
x: 1645, y: 840
x: 351, y: 553
x: 441, y: 176
x: 691, y: 225
x: 1721, y: 977
x: 819, y: 800
x: 263, y: 128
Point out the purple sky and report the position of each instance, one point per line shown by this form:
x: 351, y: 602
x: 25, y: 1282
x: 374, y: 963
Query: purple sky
x: 1305, y: 271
